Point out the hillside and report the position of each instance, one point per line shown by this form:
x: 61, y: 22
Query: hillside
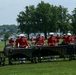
x: 8, y: 28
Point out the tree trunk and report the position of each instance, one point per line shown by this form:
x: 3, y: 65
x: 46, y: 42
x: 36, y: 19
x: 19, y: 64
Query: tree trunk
x: 28, y: 36
x: 45, y: 34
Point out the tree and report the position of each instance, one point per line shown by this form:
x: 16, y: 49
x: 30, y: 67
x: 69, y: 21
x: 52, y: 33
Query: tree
x: 43, y: 17
x: 25, y: 20
x: 63, y: 20
x: 74, y: 20
x: 6, y: 37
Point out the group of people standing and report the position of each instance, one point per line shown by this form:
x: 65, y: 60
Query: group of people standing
x: 22, y: 42
x: 55, y: 40
x: 65, y: 39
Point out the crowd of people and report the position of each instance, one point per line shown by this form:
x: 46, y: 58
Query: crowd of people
x: 56, y: 40
x: 22, y: 42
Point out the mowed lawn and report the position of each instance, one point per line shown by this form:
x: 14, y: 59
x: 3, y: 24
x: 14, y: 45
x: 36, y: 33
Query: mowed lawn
x: 1, y: 45
x: 44, y: 68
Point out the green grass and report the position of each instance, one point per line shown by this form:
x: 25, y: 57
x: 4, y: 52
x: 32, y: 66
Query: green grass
x: 44, y: 68
x: 1, y: 46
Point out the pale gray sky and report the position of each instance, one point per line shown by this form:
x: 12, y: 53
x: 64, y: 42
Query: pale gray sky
x: 10, y: 8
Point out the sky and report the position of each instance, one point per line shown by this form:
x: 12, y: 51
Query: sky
x: 9, y: 9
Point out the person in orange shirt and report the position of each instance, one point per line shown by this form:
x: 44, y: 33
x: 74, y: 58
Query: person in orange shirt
x: 17, y: 41
x: 70, y: 46
x: 69, y: 39
x: 52, y: 40
x: 23, y: 43
x: 73, y: 39
x: 64, y: 39
x: 39, y: 40
x: 32, y: 41
x: 11, y: 41
x: 58, y: 39
x: 43, y: 39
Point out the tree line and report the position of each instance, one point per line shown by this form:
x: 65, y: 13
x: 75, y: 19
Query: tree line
x: 10, y: 29
x: 46, y: 18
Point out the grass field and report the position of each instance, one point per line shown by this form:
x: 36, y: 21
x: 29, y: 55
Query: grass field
x: 44, y: 68
x: 1, y: 46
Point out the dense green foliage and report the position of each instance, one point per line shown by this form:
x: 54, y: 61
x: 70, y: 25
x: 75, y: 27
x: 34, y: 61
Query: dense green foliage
x: 2, y: 46
x: 46, y: 18
x: 74, y: 20
x: 8, y: 29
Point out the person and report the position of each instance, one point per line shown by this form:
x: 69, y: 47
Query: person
x: 23, y: 43
x: 64, y: 39
x: 11, y: 41
x: 51, y: 40
x: 70, y: 45
x: 58, y: 39
x: 32, y: 41
x: 17, y: 41
x: 43, y: 40
x: 39, y: 40
x: 75, y: 39
x: 69, y: 39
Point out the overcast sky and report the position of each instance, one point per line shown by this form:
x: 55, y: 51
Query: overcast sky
x: 9, y: 9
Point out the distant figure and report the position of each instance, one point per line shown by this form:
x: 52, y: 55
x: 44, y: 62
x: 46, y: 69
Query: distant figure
x: 17, y: 41
x: 23, y: 43
x: 43, y: 40
x: 11, y: 41
x: 58, y: 39
x: 64, y: 39
x: 52, y: 40
x: 32, y: 41
x: 69, y: 39
x: 39, y: 40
